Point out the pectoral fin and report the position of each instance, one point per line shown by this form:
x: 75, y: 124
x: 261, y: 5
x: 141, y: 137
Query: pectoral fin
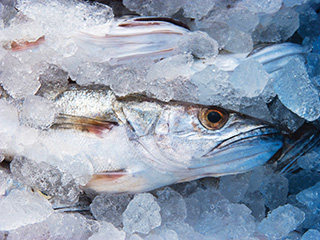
x: 92, y: 125
x: 116, y: 182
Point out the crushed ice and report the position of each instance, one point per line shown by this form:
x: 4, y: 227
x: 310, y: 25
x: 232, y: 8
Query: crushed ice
x: 234, y: 207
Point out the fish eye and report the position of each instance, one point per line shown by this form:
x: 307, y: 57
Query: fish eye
x: 213, y: 118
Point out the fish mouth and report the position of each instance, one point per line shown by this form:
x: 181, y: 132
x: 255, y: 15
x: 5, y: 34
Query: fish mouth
x: 244, y: 151
x: 265, y: 133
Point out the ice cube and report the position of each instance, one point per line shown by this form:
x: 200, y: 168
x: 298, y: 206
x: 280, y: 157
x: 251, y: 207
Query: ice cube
x: 21, y: 207
x: 8, y: 118
x: 198, y: 8
x: 302, y: 180
x: 316, y: 46
x: 173, y: 206
x: 108, y: 231
x: 250, y: 78
x: 274, y: 189
x: 142, y: 214
x: 214, y: 88
x: 293, y: 3
x: 153, y: 8
x: 264, y: 6
x: 276, y: 27
x: 234, y: 187
x: 109, y: 208
x: 311, y: 197
x: 309, y: 22
x: 69, y: 226
x: 281, y: 221
x: 37, y: 231
x: 294, y: 79
x: 310, y: 160
x: 313, y: 64
x: 227, y: 221
x: 283, y: 117
x: 38, y: 112
x: 242, y: 19
x: 46, y: 178
x: 238, y: 42
x: 199, y: 44
x: 311, y: 234
x: 53, y: 79
x: 255, y: 107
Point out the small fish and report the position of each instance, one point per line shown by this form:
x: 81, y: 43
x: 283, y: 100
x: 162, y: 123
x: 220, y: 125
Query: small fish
x: 150, y: 144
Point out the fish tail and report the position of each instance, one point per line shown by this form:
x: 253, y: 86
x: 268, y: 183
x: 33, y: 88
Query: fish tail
x: 274, y: 57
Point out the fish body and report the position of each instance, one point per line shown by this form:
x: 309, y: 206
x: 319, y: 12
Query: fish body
x: 126, y: 39
x: 138, y: 144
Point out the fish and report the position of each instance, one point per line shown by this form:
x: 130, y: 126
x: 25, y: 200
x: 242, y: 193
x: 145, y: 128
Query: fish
x: 126, y: 39
x: 137, y: 144
x: 150, y: 144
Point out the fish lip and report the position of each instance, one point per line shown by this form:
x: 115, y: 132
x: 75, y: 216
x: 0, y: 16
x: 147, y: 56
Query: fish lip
x: 263, y: 132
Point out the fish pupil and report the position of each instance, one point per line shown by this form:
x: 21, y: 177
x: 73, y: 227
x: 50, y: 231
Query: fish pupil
x: 214, y: 117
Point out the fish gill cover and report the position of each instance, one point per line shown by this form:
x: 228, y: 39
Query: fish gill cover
x: 46, y: 46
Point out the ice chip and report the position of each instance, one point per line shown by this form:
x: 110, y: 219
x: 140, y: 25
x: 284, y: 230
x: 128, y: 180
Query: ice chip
x: 108, y: 232
x: 277, y: 27
x: 142, y: 214
x: 199, y: 44
x: 274, y: 189
x: 69, y: 226
x: 294, y: 79
x: 37, y: 231
x: 310, y: 160
x: 164, y: 8
x: 239, y: 42
x: 316, y: 45
x: 198, y: 8
x: 250, y: 78
x: 263, y: 6
x: 8, y: 118
x: 38, y: 112
x: 313, y: 64
x: 311, y: 234
x: 53, y: 79
x: 47, y: 178
x: 21, y: 207
x: 234, y: 187
x: 214, y: 88
x: 173, y: 206
x: 242, y: 19
x: 109, y: 208
x: 283, y: 117
x: 311, y: 198
x: 226, y: 221
x: 281, y: 221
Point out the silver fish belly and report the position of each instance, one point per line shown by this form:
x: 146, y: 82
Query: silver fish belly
x: 149, y: 144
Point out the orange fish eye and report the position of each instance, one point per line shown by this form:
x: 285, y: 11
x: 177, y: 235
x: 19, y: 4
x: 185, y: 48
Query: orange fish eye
x: 213, y: 118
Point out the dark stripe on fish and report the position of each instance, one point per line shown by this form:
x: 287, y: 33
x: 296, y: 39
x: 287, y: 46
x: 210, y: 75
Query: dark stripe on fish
x: 163, y: 19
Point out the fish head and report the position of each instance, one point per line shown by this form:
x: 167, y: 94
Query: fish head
x: 195, y: 141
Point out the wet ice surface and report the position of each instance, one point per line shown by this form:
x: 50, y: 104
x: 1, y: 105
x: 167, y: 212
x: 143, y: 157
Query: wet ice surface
x: 257, y: 205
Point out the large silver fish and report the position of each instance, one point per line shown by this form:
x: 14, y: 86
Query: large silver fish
x: 150, y: 144
x: 137, y: 144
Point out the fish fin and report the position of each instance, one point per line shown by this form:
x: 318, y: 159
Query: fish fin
x: 118, y: 182
x: 301, y: 142
x: 92, y: 125
x: 275, y: 56
x: 20, y: 45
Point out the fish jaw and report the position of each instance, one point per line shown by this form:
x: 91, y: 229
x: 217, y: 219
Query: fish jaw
x: 241, y: 153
